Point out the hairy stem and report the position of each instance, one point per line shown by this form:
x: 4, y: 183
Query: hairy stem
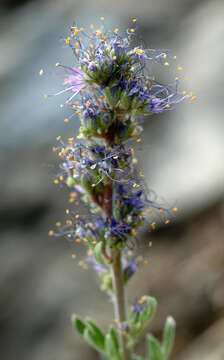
x: 119, y: 300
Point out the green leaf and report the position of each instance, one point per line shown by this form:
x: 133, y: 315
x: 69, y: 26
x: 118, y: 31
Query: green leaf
x: 98, y: 253
x: 93, y: 340
x: 78, y: 325
x: 112, y: 345
x: 114, y: 338
x: 154, y: 348
x: 97, y: 332
x: 168, y: 337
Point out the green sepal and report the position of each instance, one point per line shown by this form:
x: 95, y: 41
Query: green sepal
x: 98, y: 253
x: 154, y: 348
x: 168, y: 337
x: 70, y: 181
x: 138, y: 321
x: 108, y: 95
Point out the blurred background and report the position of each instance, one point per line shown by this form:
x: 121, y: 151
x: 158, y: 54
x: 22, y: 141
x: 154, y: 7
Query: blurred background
x: 182, y: 157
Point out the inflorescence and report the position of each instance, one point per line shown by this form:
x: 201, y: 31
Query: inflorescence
x: 110, y: 88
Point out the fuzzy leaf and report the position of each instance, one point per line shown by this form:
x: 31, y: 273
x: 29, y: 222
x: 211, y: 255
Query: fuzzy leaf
x: 112, y: 345
x: 154, y: 348
x: 168, y: 337
x: 92, y: 339
x: 96, y: 330
x: 78, y: 325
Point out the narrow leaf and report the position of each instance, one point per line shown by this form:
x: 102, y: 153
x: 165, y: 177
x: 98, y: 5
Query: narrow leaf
x: 154, y: 350
x: 93, y: 339
x: 78, y: 325
x: 97, y: 332
x: 168, y: 337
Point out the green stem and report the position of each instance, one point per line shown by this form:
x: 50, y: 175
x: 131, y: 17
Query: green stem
x: 119, y: 300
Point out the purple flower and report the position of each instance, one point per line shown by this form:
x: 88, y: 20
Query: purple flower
x: 74, y: 82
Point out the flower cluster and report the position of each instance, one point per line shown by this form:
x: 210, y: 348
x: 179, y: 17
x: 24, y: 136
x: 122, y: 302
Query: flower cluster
x: 110, y: 89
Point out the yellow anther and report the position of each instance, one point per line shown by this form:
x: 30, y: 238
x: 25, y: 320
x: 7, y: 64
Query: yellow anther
x: 57, y: 64
x: 91, y: 27
x: 61, y: 178
x: 51, y: 233
x: 69, y: 222
x: 67, y: 211
x: 78, y: 112
x: 134, y: 232
x: 115, y: 157
x: 46, y: 96
x: 177, y: 78
x: 73, y: 256
x: 140, y: 51
x: 167, y: 106
x: 93, y: 185
x: 58, y: 137
x: 77, y: 216
x: 115, y: 57
x: 58, y: 223
x: 56, y: 181
x: 41, y: 72
x: 134, y: 20
x: 166, y: 64
x: 161, y: 211
x: 98, y: 32
x: 116, y: 30
x: 132, y: 151
x: 167, y: 222
x: 78, y: 240
x: 145, y: 262
x: 193, y: 98
x: 150, y: 243
x: 164, y: 56
x: 180, y: 68
x: 184, y: 92
x: 138, y: 140
x: 85, y: 240
x: 54, y: 149
x: 102, y: 18
x: 175, y: 209
x: 76, y: 51
x: 132, y: 30
x: 66, y: 121
x: 153, y: 226
x: 67, y: 40
x: 81, y: 29
x: 174, y: 57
